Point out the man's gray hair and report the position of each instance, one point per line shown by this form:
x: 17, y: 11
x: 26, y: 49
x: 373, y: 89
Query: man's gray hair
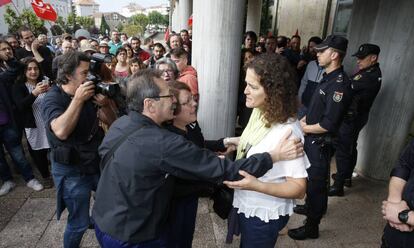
x: 169, y: 62
x: 140, y: 86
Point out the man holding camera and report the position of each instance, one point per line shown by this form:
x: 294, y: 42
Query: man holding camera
x: 74, y: 134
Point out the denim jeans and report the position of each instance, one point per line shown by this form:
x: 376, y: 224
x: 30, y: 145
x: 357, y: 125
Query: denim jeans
x: 73, y: 191
x: 10, y: 139
x: 106, y: 241
x: 256, y: 233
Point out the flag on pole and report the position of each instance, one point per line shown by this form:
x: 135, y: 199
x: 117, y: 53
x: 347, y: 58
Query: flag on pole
x: 4, y: 2
x: 297, y: 32
x: 190, y: 21
x: 43, y: 10
x: 167, y: 35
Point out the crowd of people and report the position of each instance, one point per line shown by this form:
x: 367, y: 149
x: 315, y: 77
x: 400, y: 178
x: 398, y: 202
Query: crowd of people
x: 142, y: 151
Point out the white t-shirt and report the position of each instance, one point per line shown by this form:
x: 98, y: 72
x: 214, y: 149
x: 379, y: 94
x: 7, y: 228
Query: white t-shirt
x: 267, y: 207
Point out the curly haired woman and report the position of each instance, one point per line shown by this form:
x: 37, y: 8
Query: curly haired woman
x: 264, y: 204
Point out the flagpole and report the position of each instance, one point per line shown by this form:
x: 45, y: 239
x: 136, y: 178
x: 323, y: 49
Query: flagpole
x: 17, y: 10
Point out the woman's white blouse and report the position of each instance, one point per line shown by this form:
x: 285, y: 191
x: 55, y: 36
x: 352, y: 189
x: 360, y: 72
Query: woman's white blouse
x: 267, y: 207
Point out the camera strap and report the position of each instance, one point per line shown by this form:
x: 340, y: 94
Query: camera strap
x: 113, y: 149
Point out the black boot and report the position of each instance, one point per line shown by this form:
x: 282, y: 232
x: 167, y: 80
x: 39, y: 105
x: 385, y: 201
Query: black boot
x: 301, y: 209
x: 336, y: 190
x: 347, y: 181
x: 308, y: 231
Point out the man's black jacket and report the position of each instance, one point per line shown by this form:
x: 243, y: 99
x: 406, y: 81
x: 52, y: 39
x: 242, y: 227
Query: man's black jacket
x: 135, y: 189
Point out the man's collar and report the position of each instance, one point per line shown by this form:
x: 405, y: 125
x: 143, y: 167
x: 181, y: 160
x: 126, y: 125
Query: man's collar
x: 369, y: 67
x: 141, y: 118
x: 333, y: 74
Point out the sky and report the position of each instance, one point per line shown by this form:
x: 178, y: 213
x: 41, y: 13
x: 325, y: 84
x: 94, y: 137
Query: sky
x: 116, y: 5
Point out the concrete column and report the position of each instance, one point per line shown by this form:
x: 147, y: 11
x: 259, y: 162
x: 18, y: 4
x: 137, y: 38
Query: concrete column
x: 254, y: 12
x: 217, y: 35
x: 386, y: 133
x: 175, y: 18
x: 185, y: 10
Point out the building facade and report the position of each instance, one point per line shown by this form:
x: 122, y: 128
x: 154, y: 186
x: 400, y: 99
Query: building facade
x: 114, y: 19
x: 86, y: 7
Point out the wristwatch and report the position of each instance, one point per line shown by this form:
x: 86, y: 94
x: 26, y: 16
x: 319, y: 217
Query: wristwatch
x: 403, y: 216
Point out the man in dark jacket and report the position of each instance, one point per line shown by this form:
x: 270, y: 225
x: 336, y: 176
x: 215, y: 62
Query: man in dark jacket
x: 135, y: 189
x: 398, y: 209
x: 32, y: 48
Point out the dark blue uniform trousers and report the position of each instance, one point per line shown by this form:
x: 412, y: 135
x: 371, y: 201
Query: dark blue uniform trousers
x: 318, y: 174
x: 346, y: 149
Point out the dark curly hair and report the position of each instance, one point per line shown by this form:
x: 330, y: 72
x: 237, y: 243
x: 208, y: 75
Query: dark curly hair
x: 278, y: 79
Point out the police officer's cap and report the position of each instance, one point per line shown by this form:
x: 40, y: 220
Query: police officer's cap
x: 333, y: 41
x: 367, y: 49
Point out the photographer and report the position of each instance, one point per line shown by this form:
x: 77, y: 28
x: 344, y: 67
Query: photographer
x: 72, y: 127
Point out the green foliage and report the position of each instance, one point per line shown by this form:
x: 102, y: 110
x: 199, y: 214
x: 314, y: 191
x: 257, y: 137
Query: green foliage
x: 139, y: 20
x: 56, y: 30
x: 27, y: 18
x: 120, y: 27
x: 166, y: 20
x: 12, y: 20
x: 72, y: 23
x: 133, y: 30
x: 155, y: 18
x: 62, y: 23
x: 104, y: 29
x: 266, y: 18
x: 85, y: 22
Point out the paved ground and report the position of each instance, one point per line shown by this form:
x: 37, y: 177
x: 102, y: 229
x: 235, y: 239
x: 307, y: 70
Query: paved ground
x: 28, y: 219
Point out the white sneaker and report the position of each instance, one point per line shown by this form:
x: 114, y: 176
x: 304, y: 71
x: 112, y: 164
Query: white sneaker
x: 7, y: 187
x: 35, y: 185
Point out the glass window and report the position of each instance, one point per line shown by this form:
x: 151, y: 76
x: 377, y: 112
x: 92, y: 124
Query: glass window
x: 342, y: 17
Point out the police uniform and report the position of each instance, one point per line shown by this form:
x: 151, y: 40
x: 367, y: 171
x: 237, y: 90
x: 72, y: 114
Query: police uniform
x: 366, y: 84
x: 328, y: 105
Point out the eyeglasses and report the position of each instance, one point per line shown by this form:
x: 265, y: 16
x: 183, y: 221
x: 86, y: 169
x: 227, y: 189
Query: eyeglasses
x: 169, y: 71
x: 156, y: 97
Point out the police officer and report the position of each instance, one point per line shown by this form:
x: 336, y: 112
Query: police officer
x: 365, y: 85
x: 328, y: 105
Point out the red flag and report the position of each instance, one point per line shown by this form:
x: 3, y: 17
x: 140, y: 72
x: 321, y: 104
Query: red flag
x: 190, y: 21
x: 297, y: 32
x: 167, y: 35
x: 44, y: 10
x: 4, y: 2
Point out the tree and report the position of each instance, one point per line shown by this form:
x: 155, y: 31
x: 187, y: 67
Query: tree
x: 266, y: 19
x: 56, y: 30
x: 85, y: 22
x: 139, y: 20
x: 72, y: 23
x: 104, y: 29
x: 155, y: 18
x: 133, y: 30
x: 62, y: 23
x: 27, y: 18
x: 166, y: 20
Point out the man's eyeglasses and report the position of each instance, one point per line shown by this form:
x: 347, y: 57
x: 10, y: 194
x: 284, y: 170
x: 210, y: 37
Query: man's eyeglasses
x: 157, y: 97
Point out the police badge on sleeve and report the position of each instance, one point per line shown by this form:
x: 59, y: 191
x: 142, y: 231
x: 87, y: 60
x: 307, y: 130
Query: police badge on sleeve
x: 337, y: 96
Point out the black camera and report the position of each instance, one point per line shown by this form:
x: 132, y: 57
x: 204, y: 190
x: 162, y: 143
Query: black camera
x: 107, y: 89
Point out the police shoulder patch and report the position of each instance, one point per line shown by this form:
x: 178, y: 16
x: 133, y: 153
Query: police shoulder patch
x: 337, y: 96
x: 357, y: 77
